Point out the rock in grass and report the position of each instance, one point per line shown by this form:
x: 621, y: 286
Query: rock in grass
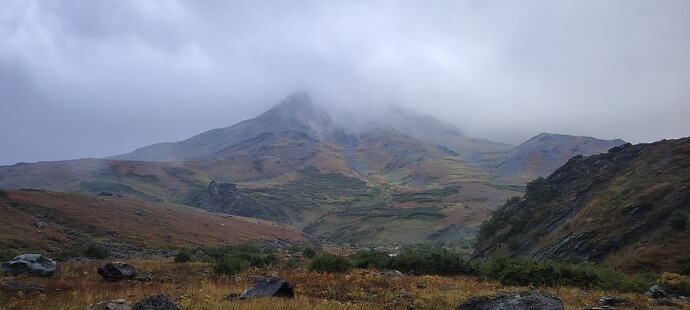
x: 117, y: 271
x: 157, y: 302
x: 613, y: 301
x: 273, y: 287
x: 26, y: 287
x: 115, y: 304
x: 525, y: 300
x: 35, y: 264
x: 656, y: 291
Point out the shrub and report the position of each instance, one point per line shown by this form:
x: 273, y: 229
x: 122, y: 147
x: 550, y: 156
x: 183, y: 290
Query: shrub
x: 675, y: 283
x: 184, y: 256
x: 435, y: 261
x: 527, y: 271
x: 540, y: 190
x: 96, y: 252
x: 309, y: 252
x: 678, y: 220
x: 327, y: 262
x: 230, y: 265
x: 371, y: 259
x: 3, y: 194
x: 292, y: 262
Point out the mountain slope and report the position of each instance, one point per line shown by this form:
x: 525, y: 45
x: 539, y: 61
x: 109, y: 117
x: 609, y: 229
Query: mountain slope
x: 542, y: 154
x: 56, y: 222
x: 628, y: 207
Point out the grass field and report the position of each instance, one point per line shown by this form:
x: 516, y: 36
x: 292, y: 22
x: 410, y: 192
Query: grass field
x: 195, y: 286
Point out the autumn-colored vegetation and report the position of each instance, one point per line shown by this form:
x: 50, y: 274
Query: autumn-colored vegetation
x: 195, y: 286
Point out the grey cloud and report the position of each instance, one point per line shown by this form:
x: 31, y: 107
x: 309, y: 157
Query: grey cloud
x: 97, y: 78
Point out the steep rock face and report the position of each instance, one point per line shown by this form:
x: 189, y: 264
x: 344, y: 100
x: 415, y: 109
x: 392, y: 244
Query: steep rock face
x: 616, y: 207
x: 219, y: 197
x: 544, y: 153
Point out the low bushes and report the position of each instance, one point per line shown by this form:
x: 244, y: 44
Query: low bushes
x: 327, y: 262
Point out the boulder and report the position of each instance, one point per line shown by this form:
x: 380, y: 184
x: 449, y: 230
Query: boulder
x: 613, y: 301
x: 115, y: 304
x: 393, y: 273
x: 524, y: 300
x: 26, y: 287
x: 117, y: 271
x: 656, y: 291
x: 35, y: 264
x: 157, y: 302
x: 272, y: 287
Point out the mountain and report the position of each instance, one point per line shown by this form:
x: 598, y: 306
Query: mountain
x: 62, y: 222
x: 627, y: 208
x: 298, y: 166
x: 542, y: 154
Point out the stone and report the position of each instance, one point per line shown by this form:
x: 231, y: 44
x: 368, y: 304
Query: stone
x: 39, y: 223
x: 656, y: 291
x: 665, y: 302
x: 523, y: 300
x: 613, y: 301
x: 117, y: 271
x: 34, y: 264
x: 115, y: 304
x: 157, y: 302
x: 393, y: 273
x: 26, y: 287
x: 272, y: 287
x: 200, y: 255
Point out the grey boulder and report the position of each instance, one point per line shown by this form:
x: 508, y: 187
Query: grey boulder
x: 524, y: 300
x: 115, y: 304
x: 157, y: 302
x: 26, y: 287
x: 272, y: 287
x: 35, y: 264
x: 117, y: 271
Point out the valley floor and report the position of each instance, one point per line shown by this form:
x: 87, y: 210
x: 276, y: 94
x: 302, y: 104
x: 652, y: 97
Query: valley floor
x: 195, y: 286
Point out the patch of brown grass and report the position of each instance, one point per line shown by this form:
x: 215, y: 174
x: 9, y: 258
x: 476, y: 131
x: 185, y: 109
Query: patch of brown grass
x: 193, y: 285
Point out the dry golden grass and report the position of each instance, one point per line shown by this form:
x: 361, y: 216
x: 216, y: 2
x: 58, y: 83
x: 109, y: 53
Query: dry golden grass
x: 195, y: 286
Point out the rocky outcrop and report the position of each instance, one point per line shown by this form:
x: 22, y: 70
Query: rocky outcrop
x: 117, y: 271
x: 34, y: 264
x: 569, y: 214
x: 525, y: 300
x: 157, y: 302
x: 271, y: 287
x: 219, y: 197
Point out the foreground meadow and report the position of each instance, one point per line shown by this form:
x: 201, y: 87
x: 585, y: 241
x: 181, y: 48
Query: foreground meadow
x: 194, y: 285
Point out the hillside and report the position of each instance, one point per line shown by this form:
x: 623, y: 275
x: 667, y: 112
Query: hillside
x: 60, y: 222
x: 295, y: 165
x: 627, y: 208
x: 542, y: 154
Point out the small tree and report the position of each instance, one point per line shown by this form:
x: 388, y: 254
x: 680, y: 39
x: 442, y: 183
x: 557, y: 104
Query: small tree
x: 183, y: 256
x: 230, y: 265
x: 95, y: 251
x: 678, y: 220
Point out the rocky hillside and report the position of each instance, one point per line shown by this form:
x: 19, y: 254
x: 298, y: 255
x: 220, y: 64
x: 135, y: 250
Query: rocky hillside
x: 63, y: 222
x: 628, y: 208
x: 544, y: 153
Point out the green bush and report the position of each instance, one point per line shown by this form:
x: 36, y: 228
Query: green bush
x: 96, y: 252
x: 184, y: 256
x: 327, y: 262
x: 309, y: 252
x: 539, y: 190
x: 527, y: 271
x: 436, y: 261
x: 230, y: 265
x: 371, y: 259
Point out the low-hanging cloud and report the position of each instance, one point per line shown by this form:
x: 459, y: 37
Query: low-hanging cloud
x: 97, y: 78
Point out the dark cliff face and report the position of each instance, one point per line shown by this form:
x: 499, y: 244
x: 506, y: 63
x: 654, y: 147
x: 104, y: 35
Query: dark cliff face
x: 219, y: 197
x: 618, y: 208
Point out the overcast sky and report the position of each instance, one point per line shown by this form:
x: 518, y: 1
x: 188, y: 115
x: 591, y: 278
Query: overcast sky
x: 98, y: 78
